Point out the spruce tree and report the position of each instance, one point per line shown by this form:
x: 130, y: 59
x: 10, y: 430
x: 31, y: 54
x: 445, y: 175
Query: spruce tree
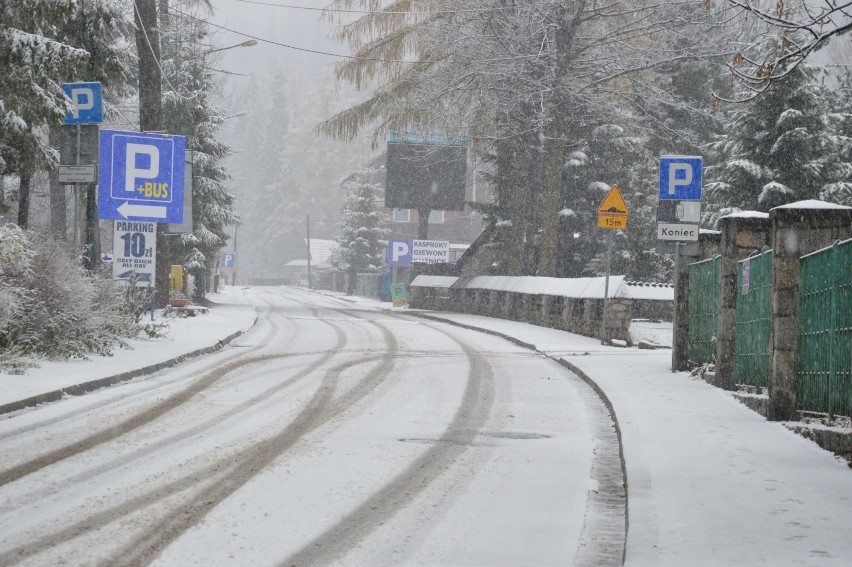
x: 189, y: 111
x: 361, y: 239
x: 781, y: 147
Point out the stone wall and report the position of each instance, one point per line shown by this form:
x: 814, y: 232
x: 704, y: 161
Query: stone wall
x: 577, y: 315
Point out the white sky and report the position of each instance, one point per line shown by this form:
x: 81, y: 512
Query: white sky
x: 300, y: 28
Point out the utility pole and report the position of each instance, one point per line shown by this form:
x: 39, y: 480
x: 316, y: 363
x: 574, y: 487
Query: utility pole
x: 308, y: 218
x: 151, y: 116
x: 423, y: 223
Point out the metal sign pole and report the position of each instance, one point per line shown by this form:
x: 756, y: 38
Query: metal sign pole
x: 78, y: 242
x: 676, y: 317
x: 606, y: 284
x: 308, y: 224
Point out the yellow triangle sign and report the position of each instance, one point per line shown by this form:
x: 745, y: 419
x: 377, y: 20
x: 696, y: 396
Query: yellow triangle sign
x: 613, y: 204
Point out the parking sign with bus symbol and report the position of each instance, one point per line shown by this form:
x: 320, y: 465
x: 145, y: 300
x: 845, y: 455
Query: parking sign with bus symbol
x: 141, y: 176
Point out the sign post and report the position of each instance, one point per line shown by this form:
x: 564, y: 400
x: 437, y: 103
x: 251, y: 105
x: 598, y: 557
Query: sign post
x: 612, y: 214
x: 84, y: 114
x: 679, y: 215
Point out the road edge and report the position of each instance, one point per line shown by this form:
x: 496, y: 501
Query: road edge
x: 585, y: 378
x: 86, y: 387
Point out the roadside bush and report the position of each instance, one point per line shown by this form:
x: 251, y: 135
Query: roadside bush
x: 50, y: 307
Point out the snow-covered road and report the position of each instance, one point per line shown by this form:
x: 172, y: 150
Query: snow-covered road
x: 328, y: 434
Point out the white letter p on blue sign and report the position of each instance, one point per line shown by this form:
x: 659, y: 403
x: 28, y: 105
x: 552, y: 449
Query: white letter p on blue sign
x: 400, y: 252
x: 86, y: 103
x: 680, y: 178
x: 134, y: 171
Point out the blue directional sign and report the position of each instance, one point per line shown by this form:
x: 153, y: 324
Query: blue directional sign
x: 680, y: 178
x: 400, y: 252
x: 87, y: 105
x: 141, y: 176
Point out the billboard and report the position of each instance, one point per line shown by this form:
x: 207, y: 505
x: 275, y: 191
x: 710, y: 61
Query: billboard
x: 425, y: 171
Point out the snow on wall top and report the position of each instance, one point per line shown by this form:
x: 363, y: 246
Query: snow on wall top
x: 652, y: 291
x: 747, y: 214
x: 433, y: 281
x: 812, y: 204
x: 578, y: 288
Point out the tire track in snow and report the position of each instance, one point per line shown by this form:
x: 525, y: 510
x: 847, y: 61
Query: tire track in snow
x: 217, y: 473
x: 146, y: 416
x: 142, y: 392
x: 321, y: 409
x: 471, y: 416
x: 603, y: 541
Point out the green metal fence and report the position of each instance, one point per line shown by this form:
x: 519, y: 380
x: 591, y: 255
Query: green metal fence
x: 703, y: 310
x: 824, y: 354
x: 752, y: 361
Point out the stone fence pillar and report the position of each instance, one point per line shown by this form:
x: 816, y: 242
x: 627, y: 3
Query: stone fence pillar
x: 796, y: 229
x: 742, y: 234
x: 708, y: 245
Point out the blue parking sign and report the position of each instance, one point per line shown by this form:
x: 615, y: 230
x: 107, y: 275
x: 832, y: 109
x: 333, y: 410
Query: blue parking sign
x: 400, y: 252
x: 680, y: 178
x: 86, y: 103
x: 141, y: 176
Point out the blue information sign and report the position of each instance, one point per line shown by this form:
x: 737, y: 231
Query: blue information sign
x: 141, y: 176
x: 400, y: 252
x: 86, y: 103
x: 228, y: 262
x: 680, y: 178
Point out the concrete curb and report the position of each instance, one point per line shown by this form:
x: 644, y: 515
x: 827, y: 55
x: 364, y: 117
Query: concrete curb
x: 85, y: 387
x: 585, y: 378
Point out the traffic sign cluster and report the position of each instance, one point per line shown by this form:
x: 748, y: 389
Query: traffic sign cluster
x: 679, y: 211
x: 140, y: 178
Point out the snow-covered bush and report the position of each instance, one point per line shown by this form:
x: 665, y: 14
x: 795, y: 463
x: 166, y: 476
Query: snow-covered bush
x: 50, y: 307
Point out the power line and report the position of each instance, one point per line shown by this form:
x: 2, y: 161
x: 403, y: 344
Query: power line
x: 288, y: 46
x: 157, y: 61
x: 340, y: 55
x: 341, y: 11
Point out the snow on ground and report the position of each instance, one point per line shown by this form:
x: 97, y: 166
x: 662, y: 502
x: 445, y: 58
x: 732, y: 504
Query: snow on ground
x: 232, y: 315
x: 709, y: 481
x: 658, y: 332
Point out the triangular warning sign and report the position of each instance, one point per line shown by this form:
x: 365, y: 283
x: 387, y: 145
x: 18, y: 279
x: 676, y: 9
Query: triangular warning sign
x: 613, y: 204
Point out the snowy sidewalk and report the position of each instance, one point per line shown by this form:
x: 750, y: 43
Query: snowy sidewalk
x: 184, y: 338
x: 710, y: 482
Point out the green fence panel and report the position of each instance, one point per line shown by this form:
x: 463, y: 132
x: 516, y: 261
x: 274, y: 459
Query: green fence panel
x: 824, y: 352
x: 703, y: 310
x: 752, y: 362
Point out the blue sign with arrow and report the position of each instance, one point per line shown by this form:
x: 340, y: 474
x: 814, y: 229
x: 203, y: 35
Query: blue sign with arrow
x: 87, y: 105
x: 141, y: 176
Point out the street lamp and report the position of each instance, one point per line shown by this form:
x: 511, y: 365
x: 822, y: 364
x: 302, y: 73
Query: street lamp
x: 243, y: 113
x: 248, y: 43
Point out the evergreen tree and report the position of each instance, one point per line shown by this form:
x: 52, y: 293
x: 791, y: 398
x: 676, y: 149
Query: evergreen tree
x: 362, y: 244
x: 188, y: 111
x: 34, y: 67
x: 781, y: 147
x: 839, y: 160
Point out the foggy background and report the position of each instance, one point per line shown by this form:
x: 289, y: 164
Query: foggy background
x: 282, y: 171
